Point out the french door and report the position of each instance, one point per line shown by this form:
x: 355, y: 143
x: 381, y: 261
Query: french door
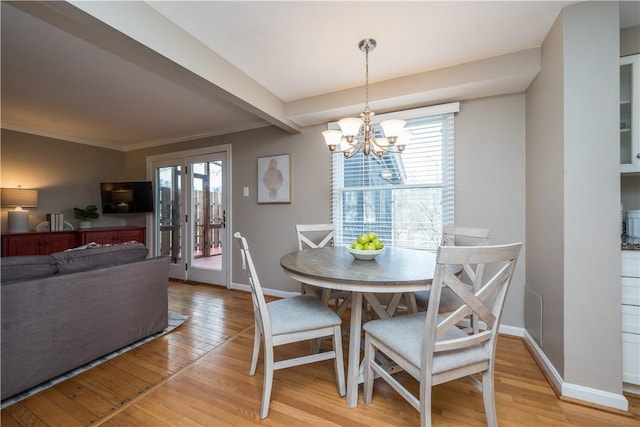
x: 190, y: 220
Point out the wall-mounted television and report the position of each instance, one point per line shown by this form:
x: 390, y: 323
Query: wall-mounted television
x: 126, y: 197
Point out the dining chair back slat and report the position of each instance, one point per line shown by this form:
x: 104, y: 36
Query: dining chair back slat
x: 431, y: 346
x: 457, y: 236
x: 285, y: 321
x: 305, y: 232
x: 318, y: 236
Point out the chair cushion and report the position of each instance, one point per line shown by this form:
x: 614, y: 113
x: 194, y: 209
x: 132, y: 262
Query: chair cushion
x: 300, y: 313
x: 405, y: 335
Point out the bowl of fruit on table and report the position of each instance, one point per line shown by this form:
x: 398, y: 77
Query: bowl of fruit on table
x: 366, y: 247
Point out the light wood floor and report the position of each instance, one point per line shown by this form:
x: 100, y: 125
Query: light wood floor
x: 198, y: 376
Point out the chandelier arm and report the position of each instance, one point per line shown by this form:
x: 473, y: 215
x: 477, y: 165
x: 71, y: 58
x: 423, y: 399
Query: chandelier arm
x: 354, y: 150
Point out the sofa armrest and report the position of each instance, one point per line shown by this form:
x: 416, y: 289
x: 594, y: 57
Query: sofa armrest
x: 55, y: 324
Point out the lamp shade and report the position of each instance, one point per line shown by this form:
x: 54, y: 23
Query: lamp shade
x: 404, y: 138
x: 332, y: 137
x: 392, y: 127
x: 18, y: 197
x: 350, y: 126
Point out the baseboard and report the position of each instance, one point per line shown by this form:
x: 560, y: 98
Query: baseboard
x: 266, y: 291
x: 514, y: 331
x: 631, y: 388
x: 572, y: 392
x: 594, y: 397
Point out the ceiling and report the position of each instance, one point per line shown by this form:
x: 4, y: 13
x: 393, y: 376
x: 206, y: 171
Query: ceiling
x: 130, y: 75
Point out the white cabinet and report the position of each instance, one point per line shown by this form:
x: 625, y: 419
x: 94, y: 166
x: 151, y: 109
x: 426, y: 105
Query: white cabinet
x: 631, y: 320
x: 630, y: 114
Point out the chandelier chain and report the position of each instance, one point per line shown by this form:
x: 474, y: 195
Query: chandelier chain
x: 366, y: 85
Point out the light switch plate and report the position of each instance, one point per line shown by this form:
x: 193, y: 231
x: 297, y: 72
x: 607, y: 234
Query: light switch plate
x: 245, y: 191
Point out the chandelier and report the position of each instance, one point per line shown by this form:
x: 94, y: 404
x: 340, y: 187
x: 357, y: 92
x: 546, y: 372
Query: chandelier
x: 358, y: 134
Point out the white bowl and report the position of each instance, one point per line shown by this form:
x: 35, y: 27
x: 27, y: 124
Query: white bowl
x: 364, y: 255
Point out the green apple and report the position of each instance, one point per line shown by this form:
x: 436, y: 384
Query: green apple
x: 370, y: 246
x: 356, y: 246
x: 363, y: 239
x: 378, y: 244
x: 372, y: 236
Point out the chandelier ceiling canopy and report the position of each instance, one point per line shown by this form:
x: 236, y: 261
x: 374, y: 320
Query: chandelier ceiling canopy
x: 358, y: 134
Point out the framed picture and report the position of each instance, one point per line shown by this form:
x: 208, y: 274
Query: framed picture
x: 274, y: 179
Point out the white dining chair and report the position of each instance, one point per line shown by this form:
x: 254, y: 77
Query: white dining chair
x: 318, y: 236
x: 454, y: 236
x: 430, y: 346
x: 286, y: 321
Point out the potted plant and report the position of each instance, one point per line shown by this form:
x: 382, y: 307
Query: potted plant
x: 87, y: 214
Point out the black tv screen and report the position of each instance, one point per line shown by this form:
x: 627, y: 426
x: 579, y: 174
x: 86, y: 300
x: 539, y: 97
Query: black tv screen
x: 126, y: 197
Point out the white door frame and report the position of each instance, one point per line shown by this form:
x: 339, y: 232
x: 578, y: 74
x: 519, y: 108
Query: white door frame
x: 225, y: 148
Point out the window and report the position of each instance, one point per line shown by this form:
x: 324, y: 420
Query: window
x: 404, y: 198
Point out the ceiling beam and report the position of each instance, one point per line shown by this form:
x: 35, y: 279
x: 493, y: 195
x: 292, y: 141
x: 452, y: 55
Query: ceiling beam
x: 500, y: 75
x: 137, y: 33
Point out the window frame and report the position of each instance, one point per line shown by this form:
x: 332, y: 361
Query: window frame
x: 447, y: 196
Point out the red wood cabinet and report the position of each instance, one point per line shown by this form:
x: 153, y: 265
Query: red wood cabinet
x: 20, y: 244
x: 108, y: 236
x: 45, y: 243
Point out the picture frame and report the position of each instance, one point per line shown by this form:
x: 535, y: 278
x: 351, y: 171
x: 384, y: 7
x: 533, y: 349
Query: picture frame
x: 274, y: 179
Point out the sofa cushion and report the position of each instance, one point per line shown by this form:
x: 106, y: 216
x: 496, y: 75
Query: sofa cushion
x: 15, y: 268
x: 104, y: 256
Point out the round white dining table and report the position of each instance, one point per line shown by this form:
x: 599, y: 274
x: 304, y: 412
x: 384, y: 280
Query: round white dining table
x: 396, y: 271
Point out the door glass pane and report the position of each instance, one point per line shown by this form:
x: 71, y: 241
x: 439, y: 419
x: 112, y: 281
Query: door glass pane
x: 168, y: 216
x: 626, y: 89
x: 207, y: 215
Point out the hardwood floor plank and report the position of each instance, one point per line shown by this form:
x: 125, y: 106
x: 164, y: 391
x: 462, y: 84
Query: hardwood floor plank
x: 21, y: 415
x: 64, y: 405
x: 7, y: 420
x: 85, y: 397
x: 198, y: 375
x: 49, y: 413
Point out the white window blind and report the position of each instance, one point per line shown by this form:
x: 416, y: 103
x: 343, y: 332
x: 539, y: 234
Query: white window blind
x: 404, y: 198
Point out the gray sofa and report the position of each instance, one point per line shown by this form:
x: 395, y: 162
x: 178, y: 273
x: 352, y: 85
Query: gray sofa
x: 64, y: 310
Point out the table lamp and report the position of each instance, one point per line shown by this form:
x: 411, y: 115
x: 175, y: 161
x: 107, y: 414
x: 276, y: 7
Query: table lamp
x: 18, y: 198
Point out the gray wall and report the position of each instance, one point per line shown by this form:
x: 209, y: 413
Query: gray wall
x: 630, y: 192
x: 573, y: 197
x: 544, y: 200
x: 66, y: 174
x: 489, y: 184
x: 630, y: 41
x: 592, y: 167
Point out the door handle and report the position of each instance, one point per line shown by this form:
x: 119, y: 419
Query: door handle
x: 224, y: 218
